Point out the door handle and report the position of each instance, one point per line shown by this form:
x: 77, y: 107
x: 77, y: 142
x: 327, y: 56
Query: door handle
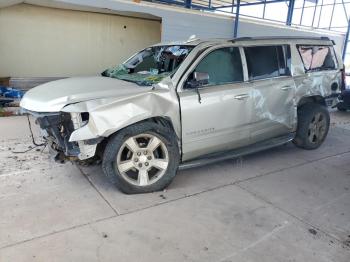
x: 241, y: 96
x: 285, y: 88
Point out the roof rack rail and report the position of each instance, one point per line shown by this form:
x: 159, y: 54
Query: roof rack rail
x: 247, y: 38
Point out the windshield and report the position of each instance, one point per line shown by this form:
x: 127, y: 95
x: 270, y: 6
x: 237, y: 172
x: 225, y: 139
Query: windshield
x: 151, y: 65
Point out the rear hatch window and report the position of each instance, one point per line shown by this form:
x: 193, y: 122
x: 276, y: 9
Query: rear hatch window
x: 317, y: 58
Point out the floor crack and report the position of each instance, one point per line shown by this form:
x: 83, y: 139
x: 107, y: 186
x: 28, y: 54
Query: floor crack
x: 98, y: 191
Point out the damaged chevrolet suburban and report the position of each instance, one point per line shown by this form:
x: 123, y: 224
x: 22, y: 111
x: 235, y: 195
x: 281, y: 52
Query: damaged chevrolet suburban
x: 184, y: 104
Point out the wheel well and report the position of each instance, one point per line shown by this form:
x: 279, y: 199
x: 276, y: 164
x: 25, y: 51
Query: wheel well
x: 312, y: 99
x: 164, y: 121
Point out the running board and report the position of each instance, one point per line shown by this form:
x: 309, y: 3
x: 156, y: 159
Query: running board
x: 260, y: 146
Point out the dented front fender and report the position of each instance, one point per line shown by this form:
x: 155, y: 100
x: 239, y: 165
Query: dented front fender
x: 108, y: 115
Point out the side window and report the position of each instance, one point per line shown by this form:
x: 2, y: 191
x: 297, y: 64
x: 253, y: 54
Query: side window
x: 222, y: 65
x: 267, y: 61
x: 316, y: 58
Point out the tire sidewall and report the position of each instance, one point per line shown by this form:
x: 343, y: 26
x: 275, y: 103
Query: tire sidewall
x: 305, y: 116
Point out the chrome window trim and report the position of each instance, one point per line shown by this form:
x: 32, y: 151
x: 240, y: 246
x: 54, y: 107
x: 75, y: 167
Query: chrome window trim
x: 285, y: 56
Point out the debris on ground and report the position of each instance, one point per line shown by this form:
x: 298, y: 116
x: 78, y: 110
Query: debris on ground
x: 162, y: 196
x: 11, y: 162
x: 347, y: 242
x: 313, y: 231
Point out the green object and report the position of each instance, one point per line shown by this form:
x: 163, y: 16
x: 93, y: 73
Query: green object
x: 142, y: 79
x: 116, y: 71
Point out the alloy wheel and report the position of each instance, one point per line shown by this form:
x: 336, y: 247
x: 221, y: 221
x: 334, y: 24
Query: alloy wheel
x: 143, y: 159
x: 317, y: 128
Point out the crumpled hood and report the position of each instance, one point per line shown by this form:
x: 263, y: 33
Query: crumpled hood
x: 53, y: 96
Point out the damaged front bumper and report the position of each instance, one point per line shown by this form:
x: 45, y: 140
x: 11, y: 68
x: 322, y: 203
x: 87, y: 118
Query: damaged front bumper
x: 57, y: 129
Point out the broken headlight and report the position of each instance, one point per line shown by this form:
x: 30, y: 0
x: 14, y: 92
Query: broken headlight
x: 80, y: 119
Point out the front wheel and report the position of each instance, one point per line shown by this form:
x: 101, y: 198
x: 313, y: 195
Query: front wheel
x: 141, y: 158
x: 313, y: 126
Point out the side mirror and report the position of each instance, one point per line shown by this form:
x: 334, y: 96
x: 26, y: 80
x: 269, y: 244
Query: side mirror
x: 199, y: 79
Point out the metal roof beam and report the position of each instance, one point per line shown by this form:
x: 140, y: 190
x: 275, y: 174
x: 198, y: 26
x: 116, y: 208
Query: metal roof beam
x: 235, y: 29
x: 209, y: 5
x: 290, y: 12
x: 250, y: 4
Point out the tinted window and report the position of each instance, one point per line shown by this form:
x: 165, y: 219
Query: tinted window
x: 317, y: 57
x: 223, y: 66
x: 267, y: 61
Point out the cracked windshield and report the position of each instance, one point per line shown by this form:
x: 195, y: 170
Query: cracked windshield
x: 151, y: 65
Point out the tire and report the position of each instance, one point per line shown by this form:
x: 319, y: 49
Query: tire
x: 313, y: 126
x: 341, y: 107
x: 141, y: 167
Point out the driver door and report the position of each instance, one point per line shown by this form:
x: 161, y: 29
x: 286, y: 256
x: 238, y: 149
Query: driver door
x: 216, y: 116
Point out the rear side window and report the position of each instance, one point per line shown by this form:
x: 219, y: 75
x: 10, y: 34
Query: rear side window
x: 267, y: 61
x: 317, y: 58
x: 223, y: 66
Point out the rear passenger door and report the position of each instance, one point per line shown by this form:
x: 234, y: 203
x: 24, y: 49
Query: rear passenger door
x: 269, y: 76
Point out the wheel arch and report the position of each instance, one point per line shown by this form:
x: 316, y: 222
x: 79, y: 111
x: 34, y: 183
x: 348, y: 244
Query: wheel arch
x: 317, y: 99
x: 162, y: 120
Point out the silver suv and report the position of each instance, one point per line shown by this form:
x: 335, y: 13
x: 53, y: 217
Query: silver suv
x: 185, y: 104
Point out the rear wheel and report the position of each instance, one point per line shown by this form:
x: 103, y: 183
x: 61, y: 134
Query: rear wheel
x: 341, y: 107
x: 141, y: 158
x: 313, y: 126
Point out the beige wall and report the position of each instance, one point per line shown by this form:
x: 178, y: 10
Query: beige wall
x: 39, y: 41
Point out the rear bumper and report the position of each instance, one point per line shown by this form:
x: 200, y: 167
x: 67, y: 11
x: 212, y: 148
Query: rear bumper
x: 344, y: 100
x: 332, y: 100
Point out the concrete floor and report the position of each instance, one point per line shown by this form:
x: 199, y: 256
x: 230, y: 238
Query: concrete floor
x: 285, y: 204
